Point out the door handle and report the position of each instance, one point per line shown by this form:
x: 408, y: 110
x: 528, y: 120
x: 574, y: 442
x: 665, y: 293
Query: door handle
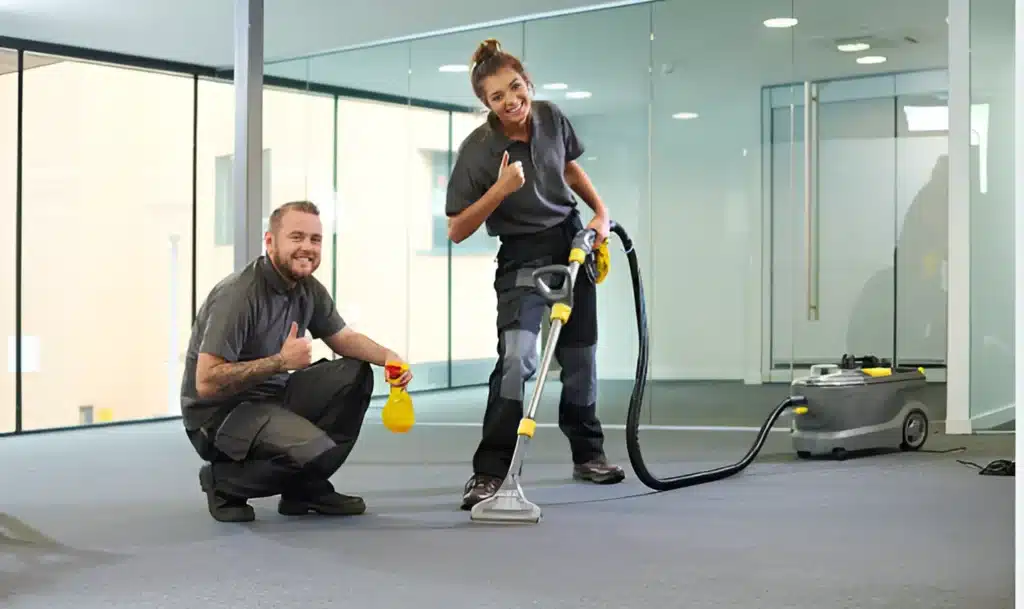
x: 810, y: 199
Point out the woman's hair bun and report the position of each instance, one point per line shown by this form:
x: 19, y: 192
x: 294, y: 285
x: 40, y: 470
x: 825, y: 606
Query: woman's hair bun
x: 487, y: 49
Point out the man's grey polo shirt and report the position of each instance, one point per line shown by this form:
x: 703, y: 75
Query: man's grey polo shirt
x: 246, y: 317
x: 545, y: 199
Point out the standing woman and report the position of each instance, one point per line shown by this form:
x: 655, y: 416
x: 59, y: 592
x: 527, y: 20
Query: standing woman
x: 517, y: 173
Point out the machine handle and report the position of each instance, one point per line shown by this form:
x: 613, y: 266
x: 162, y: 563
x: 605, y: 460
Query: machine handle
x: 584, y: 241
x: 550, y: 294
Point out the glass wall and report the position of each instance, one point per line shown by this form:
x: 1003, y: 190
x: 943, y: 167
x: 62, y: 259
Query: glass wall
x: 605, y: 91
x: 769, y: 238
x: 107, y: 217
x: 992, y: 214
x: 879, y: 184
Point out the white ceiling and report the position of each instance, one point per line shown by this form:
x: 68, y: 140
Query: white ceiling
x: 201, y: 31
x: 702, y: 48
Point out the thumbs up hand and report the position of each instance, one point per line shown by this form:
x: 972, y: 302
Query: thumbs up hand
x: 296, y: 352
x: 510, y: 177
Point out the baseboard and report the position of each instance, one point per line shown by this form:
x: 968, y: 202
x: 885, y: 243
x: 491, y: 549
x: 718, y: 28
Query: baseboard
x: 693, y: 374
x: 956, y: 427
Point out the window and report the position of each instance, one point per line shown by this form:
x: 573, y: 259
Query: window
x: 224, y: 201
x: 298, y: 153
x: 473, y: 300
x: 390, y: 284
x: 107, y: 176
x: 480, y: 241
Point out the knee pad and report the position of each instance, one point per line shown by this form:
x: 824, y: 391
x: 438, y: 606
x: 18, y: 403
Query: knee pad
x: 301, y: 455
x: 327, y: 462
x: 518, y: 362
x: 579, y: 374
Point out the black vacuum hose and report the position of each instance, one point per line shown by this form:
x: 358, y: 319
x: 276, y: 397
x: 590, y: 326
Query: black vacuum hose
x: 636, y: 400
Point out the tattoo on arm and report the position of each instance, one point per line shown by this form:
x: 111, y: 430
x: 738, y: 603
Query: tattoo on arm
x: 230, y: 378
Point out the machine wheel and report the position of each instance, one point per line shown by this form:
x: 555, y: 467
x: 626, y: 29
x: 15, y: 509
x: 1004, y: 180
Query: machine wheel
x: 915, y: 430
x: 803, y: 454
x: 839, y: 454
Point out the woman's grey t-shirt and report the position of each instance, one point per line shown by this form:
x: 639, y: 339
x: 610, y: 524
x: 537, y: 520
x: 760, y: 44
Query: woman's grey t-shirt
x: 545, y: 198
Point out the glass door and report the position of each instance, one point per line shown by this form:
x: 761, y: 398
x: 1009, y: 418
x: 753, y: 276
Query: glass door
x: 856, y: 202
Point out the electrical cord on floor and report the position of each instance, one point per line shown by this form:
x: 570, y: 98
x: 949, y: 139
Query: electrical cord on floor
x: 999, y: 467
x: 947, y: 451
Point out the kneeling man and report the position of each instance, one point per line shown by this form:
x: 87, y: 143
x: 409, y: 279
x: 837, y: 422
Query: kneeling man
x: 266, y: 419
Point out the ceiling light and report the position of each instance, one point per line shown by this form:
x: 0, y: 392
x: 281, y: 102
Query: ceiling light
x: 578, y: 94
x: 853, y: 47
x: 869, y: 59
x: 453, y: 67
x: 778, y: 22
x: 555, y: 86
x: 685, y: 116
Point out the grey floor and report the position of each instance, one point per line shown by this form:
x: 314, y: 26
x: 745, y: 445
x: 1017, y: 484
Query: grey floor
x: 113, y: 518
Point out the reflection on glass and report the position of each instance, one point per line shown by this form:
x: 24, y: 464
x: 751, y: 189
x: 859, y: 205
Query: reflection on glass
x: 106, y: 181
x: 992, y: 211
x: 871, y: 283
x: 8, y: 204
x: 922, y: 191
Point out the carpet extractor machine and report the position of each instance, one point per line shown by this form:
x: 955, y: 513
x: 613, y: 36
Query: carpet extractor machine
x: 837, y: 410
x: 861, y: 404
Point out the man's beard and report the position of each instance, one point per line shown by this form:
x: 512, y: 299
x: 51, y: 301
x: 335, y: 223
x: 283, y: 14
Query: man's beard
x: 283, y: 265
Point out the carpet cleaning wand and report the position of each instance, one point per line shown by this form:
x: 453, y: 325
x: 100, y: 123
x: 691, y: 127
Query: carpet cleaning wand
x: 509, y: 504
x: 555, y: 283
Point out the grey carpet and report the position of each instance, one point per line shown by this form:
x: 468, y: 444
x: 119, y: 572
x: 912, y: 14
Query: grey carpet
x: 114, y: 518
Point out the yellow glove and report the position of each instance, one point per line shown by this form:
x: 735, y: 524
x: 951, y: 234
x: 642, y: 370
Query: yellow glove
x: 602, y: 261
x: 398, y: 414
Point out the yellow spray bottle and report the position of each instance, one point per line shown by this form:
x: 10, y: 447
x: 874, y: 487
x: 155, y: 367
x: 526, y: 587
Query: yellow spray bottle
x: 398, y: 415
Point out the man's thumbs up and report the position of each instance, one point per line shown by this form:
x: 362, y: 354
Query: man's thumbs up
x: 296, y: 352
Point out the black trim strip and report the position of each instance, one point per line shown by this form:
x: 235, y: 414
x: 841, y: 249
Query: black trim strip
x: 111, y: 57
x: 334, y: 202
x: 195, y: 194
x: 451, y: 153
x: 162, y: 65
x: 18, y: 246
x: 324, y: 89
